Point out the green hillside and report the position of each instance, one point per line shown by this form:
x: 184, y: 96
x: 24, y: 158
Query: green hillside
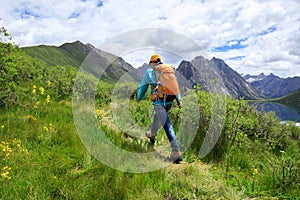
x: 42, y: 155
x: 77, y: 50
x: 52, y: 55
x: 73, y: 54
x: 291, y: 100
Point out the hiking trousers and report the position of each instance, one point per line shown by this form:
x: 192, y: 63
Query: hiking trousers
x: 161, y: 118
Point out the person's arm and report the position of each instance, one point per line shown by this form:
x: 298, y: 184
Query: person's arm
x: 178, y: 99
x: 143, y: 86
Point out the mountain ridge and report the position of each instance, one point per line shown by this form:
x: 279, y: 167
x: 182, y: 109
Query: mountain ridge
x: 272, y: 85
x: 107, y: 65
x: 235, y: 85
x: 51, y: 55
x: 202, y: 71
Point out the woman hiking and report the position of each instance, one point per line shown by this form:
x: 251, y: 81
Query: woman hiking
x: 162, y: 100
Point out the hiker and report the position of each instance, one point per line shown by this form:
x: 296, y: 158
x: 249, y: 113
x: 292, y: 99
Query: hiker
x: 162, y: 104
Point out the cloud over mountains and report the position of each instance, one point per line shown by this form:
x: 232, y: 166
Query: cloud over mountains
x: 252, y: 36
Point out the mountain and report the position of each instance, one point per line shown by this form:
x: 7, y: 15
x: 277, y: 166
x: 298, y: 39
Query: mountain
x: 203, y: 71
x: 235, y: 83
x: 273, y: 86
x: 198, y: 71
x: 77, y: 54
x: 52, y: 55
x: 77, y: 50
x: 141, y: 70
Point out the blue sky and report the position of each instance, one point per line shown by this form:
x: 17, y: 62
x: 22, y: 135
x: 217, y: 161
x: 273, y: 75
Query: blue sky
x: 240, y: 43
x: 252, y: 36
x: 230, y: 45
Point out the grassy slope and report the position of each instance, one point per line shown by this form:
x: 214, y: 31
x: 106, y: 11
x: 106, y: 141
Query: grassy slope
x: 74, y: 50
x: 52, y: 55
x: 45, y: 159
x: 71, y: 54
x: 48, y: 161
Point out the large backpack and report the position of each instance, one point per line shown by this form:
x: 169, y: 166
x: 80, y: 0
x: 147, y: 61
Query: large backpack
x: 167, y: 85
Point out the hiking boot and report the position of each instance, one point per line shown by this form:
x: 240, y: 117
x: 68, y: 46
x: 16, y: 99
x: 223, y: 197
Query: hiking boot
x: 175, y: 156
x: 151, y: 137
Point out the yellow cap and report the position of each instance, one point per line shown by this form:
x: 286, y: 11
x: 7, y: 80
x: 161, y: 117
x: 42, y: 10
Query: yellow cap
x: 155, y: 58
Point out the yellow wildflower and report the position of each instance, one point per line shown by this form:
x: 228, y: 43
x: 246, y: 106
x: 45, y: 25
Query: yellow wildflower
x: 4, y: 175
x: 36, y: 105
x: 33, y: 91
x: 254, y: 171
x: 17, y: 142
x: 49, y: 83
x: 48, y: 99
x: 34, y: 86
x: 42, y: 90
x: 2, y: 126
x: 25, y: 150
x: 30, y: 117
x: 6, y: 168
x: 46, y: 128
x: 7, y: 149
x: 51, y: 128
x: 100, y: 113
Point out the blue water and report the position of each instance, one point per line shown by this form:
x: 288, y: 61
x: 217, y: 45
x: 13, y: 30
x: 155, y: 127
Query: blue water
x: 283, y: 112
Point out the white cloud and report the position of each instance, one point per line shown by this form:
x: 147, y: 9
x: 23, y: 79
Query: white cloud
x: 268, y: 31
x: 232, y: 43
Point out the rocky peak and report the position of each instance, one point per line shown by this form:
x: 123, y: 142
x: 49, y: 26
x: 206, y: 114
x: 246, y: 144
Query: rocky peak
x: 186, y: 69
x: 202, y: 71
x: 77, y: 49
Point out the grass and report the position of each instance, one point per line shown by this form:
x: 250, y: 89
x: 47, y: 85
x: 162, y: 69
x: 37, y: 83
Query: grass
x: 42, y: 157
x: 58, y: 56
x: 48, y: 161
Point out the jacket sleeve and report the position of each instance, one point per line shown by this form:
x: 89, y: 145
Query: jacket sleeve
x: 143, y: 86
x: 178, y: 97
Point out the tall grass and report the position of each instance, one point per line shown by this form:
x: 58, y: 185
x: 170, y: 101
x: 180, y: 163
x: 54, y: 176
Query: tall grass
x: 47, y: 160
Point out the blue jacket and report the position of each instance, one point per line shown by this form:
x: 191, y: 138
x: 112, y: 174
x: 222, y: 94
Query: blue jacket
x: 149, y: 79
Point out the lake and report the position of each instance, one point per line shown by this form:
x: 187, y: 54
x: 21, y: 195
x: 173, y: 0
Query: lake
x: 283, y: 112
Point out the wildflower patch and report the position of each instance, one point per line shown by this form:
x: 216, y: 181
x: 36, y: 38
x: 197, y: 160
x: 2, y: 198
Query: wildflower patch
x: 9, y: 152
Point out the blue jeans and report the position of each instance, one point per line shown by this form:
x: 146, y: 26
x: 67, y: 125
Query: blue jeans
x: 161, y: 118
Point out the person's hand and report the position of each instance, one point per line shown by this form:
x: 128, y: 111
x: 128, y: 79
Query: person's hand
x: 179, y: 104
